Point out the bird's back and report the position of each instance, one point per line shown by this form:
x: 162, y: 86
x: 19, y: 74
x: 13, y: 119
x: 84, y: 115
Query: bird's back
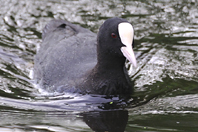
x: 67, y: 52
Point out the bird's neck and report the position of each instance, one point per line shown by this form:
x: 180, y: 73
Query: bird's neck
x: 110, y: 63
x: 109, y: 77
x: 113, y: 79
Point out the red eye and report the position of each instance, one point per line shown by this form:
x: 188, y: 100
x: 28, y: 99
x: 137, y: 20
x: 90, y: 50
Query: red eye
x: 113, y: 35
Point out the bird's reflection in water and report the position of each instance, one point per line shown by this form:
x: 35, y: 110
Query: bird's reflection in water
x: 106, y: 121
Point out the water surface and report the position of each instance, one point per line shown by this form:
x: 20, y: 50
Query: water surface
x: 165, y: 81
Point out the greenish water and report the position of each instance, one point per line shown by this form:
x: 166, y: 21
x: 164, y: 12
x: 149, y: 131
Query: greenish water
x: 165, y: 81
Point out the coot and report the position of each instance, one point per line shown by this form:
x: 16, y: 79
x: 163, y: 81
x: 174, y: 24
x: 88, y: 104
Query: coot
x: 74, y: 59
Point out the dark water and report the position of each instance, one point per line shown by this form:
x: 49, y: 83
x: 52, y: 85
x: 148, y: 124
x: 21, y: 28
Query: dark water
x: 166, y: 80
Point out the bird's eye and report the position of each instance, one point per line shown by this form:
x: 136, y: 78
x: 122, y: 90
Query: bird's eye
x: 113, y: 35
